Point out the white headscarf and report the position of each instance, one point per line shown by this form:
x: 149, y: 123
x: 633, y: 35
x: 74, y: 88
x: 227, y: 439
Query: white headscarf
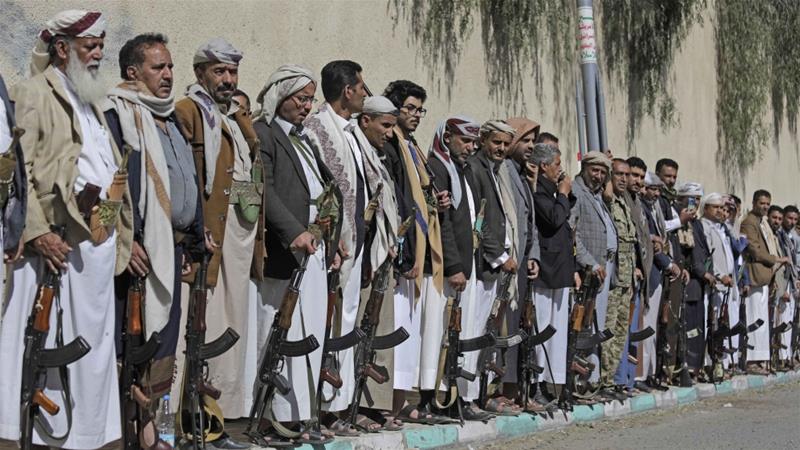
x: 284, y: 82
x: 217, y: 50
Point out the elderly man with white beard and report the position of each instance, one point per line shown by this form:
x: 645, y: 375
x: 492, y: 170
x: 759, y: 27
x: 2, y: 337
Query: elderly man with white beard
x: 68, y: 152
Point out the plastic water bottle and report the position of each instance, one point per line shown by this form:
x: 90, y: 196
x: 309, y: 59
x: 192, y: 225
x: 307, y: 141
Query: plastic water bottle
x: 165, y: 422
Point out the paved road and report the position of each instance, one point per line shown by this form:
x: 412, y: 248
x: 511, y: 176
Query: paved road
x: 761, y: 418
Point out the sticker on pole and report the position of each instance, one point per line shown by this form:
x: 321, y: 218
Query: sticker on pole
x: 588, y: 44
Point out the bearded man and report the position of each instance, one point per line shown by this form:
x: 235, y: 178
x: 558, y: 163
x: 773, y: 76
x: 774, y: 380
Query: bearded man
x: 69, y: 155
x: 229, y: 172
x: 167, y: 215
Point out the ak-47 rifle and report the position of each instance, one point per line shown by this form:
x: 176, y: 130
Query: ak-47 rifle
x: 682, y: 350
x: 198, y: 352
x: 715, y: 335
x: 776, y: 330
x: 528, y: 370
x: 37, y: 360
x: 276, y: 350
x: 136, y: 352
x: 580, y: 340
x: 490, y: 358
x: 364, y: 357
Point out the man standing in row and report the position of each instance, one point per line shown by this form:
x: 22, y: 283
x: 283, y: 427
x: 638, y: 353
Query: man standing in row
x: 68, y: 152
x: 229, y: 177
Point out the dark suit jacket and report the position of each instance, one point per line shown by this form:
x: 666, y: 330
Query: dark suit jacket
x: 14, y: 213
x: 494, y: 220
x: 456, y: 223
x: 699, y: 258
x: 286, y: 197
x: 405, y: 201
x: 557, y: 264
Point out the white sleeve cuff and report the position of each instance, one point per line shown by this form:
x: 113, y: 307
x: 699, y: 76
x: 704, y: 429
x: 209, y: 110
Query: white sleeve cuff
x: 500, y: 260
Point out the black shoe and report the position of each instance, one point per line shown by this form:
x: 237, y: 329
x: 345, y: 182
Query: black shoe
x: 642, y: 386
x: 225, y: 442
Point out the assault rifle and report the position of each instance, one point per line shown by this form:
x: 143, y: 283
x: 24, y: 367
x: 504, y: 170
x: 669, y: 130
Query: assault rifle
x: 744, y: 336
x: 776, y: 330
x: 136, y: 352
x: 794, y: 345
x: 490, y: 359
x: 364, y: 357
x: 716, y: 332
x: 276, y: 350
x: 528, y: 369
x: 198, y: 352
x: 37, y: 360
x: 452, y: 349
x: 580, y: 338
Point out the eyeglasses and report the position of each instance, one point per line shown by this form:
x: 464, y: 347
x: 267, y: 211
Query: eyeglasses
x: 302, y: 100
x: 413, y: 110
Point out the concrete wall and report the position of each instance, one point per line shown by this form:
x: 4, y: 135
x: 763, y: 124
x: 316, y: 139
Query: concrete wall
x: 314, y: 32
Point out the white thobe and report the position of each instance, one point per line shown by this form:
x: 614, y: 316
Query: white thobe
x: 484, y: 297
x: 758, y: 308
x: 87, y: 299
x: 407, y: 314
x: 648, y: 346
x: 601, y: 307
x: 552, y: 308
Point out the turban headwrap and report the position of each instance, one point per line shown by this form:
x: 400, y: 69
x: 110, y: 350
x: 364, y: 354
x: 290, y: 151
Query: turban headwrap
x: 284, y: 82
x: 524, y: 127
x: 378, y: 104
x: 651, y: 179
x: 597, y: 158
x: 497, y: 126
x: 690, y: 189
x: 217, y: 50
x: 457, y: 126
x: 71, y: 23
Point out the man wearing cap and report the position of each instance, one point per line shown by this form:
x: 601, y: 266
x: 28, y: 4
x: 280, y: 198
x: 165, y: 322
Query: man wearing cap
x: 69, y: 153
x: 761, y: 262
x: 595, y: 235
x: 453, y: 142
x: 230, y: 185
x: 167, y: 216
x: 497, y: 252
x: 13, y: 189
x: 723, y: 258
x: 419, y: 299
x: 297, y: 202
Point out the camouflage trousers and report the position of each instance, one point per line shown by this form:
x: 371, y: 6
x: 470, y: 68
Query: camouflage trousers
x: 617, y: 321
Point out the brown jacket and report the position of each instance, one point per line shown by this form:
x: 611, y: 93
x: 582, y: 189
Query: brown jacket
x: 215, y: 206
x: 52, y: 145
x: 759, y: 262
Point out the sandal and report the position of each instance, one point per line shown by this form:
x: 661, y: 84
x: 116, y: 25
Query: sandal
x: 534, y: 407
x: 342, y: 428
x: 386, y: 420
x: 313, y: 437
x: 422, y: 417
x: 497, y: 406
x: 270, y: 438
x: 473, y: 413
x: 365, y: 424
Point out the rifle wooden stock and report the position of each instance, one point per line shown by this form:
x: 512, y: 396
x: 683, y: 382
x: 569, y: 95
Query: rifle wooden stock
x: 199, y: 298
x: 287, y: 308
x: 333, y: 295
x: 44, y: 305
x: 455, y: 320
x: 577, y: 317
x: 44, y: 402
x: 135, y: 308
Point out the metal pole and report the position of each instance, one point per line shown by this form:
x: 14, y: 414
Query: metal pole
x: 581, y: 118
x: 601, y: 113
x: 588, y: 54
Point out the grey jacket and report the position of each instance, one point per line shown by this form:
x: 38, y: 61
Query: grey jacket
x: 590, y: 228
x: 527, y: 235
x: 14, y: 213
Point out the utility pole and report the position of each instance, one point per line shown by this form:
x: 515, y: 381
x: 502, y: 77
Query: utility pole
x: 589, y: 99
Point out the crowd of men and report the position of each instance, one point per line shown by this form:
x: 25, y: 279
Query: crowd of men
x: 476, y: 278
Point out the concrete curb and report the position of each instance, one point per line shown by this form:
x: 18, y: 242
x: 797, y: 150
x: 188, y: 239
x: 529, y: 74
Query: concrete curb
x: 474, y: 433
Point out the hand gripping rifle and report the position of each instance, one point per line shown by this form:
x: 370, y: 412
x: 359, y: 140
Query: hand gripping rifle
x: 490, y: 359
x: 136, y: 353
x: 454, y: 348
x: 364, y: 357
x: 276, y: 350
x: 198, y: 352
x: 528, y: 369
x: 37, y: 360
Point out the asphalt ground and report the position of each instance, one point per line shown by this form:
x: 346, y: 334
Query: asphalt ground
x: 766, y: 418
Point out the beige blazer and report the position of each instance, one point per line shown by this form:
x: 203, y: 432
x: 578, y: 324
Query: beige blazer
x: 52, y: 145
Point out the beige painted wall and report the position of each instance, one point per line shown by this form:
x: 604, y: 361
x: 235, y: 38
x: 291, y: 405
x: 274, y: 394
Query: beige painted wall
x: 313, y: 32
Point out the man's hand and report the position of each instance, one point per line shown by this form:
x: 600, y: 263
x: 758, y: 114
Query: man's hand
x: 785, y: 297
x: 727, y: 280
x: 343, y: 250
x: 458, y: 282
x: 336, y: 264
x: 305, y: 242
x: 565, y: 186
x: 577, y: 278
x: 685, y: 276
x: 412, y: 274
x: 637, y: 274
x: 686, y: 215
x: 211, y: 244
x: 600, y: 273
x: 531, y: 172
x: 53, y: 249
x: 186, y: 266
x: 709, y: 278
x: 658, y: 244
x: 509, y: 266
x: 745, y: 290
x: 443, y: 199
x: 533, y: 269
x: 782, y: 260
x: 674, y: 271
x: 139, y: 264
x: 13, y: 256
